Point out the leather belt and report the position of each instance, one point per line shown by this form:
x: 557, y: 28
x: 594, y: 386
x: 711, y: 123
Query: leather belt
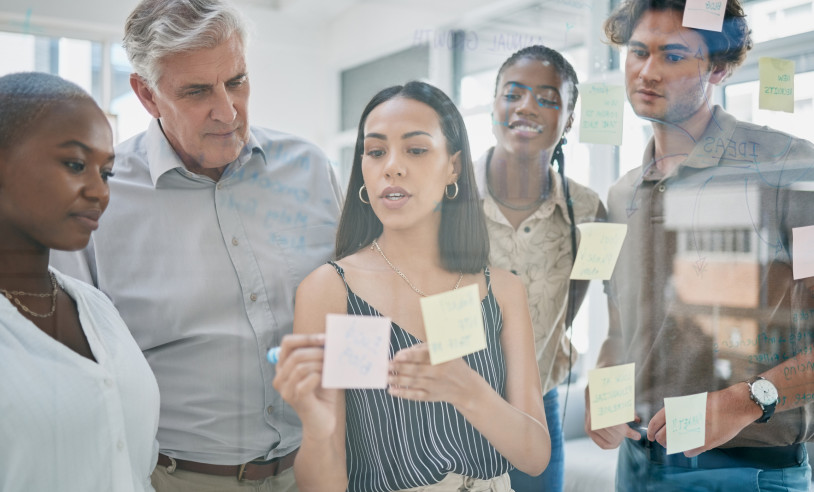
x: 253, y: 470
x: 766, y: 458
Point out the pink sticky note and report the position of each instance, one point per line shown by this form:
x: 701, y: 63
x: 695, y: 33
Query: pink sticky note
x: 704, y: 14
x: 802, y: 262
x: 356, y: 351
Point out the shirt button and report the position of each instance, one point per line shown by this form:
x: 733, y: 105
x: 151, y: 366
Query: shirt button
x: 253, y: 297
x: 120, y: 445
x: 662, y: 188
x: 108, y: 382
x: 220, y: 186
x: 527, y: 229
x: 235, y: 242
x: 269, y: 409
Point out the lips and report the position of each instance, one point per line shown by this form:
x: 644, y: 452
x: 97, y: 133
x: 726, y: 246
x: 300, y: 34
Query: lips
x: 526, y: 127
x: 89, y: 217
x: 394, y: 197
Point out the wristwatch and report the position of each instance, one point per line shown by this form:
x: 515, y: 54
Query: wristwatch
x: 764, y: 394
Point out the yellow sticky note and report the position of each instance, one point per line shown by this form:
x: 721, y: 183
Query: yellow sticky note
x: 601, y: 113
x: 453, y: 323
x: 686, y: 422
x: 599, y: 247
x: 776, y: 84
x: 612, y: 395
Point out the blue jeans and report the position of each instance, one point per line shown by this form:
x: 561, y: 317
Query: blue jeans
x: 553, y: 478
x: 635, y: 472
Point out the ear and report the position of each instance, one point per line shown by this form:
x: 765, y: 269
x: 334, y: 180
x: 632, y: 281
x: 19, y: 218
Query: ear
x: 455, y: 171
x: 718, y: 75
x: 145, y: 94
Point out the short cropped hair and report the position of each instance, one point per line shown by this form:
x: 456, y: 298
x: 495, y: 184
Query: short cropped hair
x: 462, y: 238
x: 26, y: 96
x: 545, y: 54
x: 727, y: 48
x: 158, y: 28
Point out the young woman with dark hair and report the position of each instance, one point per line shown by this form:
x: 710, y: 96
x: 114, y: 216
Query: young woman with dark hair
x: 412, y: 226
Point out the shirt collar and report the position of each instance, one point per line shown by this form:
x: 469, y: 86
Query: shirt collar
x: 556, y: 197
x: 709, y: 149
x: 162, y: 158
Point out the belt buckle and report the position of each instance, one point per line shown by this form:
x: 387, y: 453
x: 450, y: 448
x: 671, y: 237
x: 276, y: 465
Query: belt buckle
x: 240, y: 472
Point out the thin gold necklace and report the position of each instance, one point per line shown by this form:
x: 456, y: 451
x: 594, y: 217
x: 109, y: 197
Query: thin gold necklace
x: 12, y: 295
x: 400, y: 274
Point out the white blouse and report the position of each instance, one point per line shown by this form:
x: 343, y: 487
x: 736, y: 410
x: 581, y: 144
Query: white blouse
x: 68, y: 423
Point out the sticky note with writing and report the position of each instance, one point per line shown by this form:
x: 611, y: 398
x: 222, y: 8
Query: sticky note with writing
x: 612, y: 395
x: 599, y: 247
x: 802, y: 262
x: 776, y: 84
x: 453, y: 323
x: 686, y: 422
x: 704, y: 14
x: 356, y: 351
x: 601, y: 114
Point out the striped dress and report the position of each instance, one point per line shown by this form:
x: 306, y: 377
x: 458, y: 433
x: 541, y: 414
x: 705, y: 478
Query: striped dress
x: 393, y: 443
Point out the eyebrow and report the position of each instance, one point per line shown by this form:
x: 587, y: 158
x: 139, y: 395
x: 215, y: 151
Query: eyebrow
x: 404, y: 137
x: 84, y: 147
x: 518, y: 84
x: 665, y: 47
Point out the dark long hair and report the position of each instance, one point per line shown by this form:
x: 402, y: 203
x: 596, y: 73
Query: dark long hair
x: 462, y: 238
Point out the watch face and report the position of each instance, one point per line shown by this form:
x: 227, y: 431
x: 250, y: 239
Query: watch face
x: 764, y: 392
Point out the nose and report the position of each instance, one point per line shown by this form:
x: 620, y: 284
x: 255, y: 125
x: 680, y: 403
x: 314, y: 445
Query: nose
x: 649, y: 70
x: 96, y: 188
x: 394, y: 166
x: 223, y: 107
x: 527, y: 104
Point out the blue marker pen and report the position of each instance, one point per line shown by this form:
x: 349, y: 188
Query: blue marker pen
x: 273, y: 355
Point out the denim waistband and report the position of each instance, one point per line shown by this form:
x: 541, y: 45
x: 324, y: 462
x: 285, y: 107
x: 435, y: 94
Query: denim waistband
x: 765, y: 458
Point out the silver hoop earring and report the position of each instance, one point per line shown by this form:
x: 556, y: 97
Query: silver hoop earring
x: 446, y: 191
x: 360, y: 195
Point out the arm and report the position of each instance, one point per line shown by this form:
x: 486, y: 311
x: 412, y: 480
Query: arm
x: 731, y: 409
x: 320, y: 462
x: 609, y: 437
x: 515, y: 426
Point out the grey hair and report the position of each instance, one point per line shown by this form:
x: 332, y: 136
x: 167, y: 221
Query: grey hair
x: 26, y: 96
x: 158, y: 28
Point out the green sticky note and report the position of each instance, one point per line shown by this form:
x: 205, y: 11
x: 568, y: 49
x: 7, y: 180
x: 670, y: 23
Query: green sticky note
x: 686, y: 418
x: 776, y: 84
x: 601, y: 114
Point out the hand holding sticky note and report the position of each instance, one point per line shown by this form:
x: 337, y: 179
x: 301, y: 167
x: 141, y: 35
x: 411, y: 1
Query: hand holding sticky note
x: 612, y: 395
x: 357, y: 351
x: 453, y: 323
x: 599, y: 247
x: 686, y: 418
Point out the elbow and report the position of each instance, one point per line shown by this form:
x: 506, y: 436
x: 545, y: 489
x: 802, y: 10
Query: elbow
x: 536, y: 467
x: 537, y: 456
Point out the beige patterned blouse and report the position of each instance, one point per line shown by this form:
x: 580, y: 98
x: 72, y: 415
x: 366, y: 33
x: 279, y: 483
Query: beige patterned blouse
x: 539, y: 251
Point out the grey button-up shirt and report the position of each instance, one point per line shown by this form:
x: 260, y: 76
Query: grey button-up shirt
x: 205, y: 273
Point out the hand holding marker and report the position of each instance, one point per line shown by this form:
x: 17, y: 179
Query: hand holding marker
x: 273, y: 355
